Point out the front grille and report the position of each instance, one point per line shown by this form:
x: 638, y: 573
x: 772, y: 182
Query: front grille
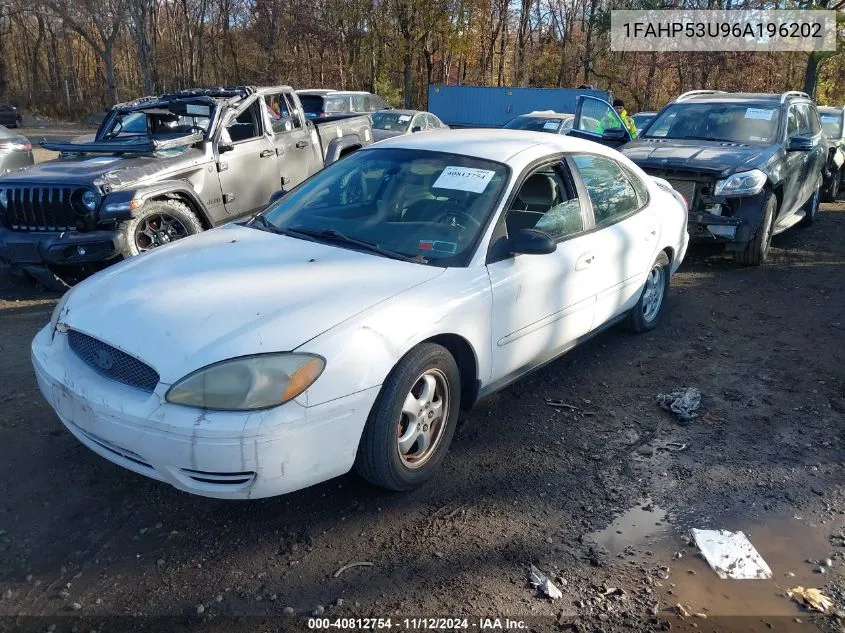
x: 112, y: 363
x: 687, y: 188
x: 125, y: 453
x: 39, y: 209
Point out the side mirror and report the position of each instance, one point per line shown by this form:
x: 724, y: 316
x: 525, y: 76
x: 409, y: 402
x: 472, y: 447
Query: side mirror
x: 416, y: 129
x: 532, y: 242
x: 615, y: 134
x: 800, y: 144
x: 276, y: 196
x: 223, y: 147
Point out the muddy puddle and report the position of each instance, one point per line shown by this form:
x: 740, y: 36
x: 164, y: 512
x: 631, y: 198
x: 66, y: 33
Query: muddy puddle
x: 785, y: 545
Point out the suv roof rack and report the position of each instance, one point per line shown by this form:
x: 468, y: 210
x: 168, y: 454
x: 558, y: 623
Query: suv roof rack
x: 793, y: 93
x: 693, y: 93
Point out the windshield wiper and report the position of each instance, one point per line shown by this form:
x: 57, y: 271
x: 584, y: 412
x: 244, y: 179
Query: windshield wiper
x: 700, y: 138
x: 333, y: 235
x: 265, y: 224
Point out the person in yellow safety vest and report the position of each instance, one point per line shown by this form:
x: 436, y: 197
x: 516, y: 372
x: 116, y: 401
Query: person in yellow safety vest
x: 619, y: 106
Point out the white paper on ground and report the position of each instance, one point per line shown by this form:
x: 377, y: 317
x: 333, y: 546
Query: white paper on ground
x: 464, y: 179
x: 731, y: 555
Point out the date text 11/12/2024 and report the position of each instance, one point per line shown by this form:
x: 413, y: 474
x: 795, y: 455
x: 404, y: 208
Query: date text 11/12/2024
x: 417, y: 624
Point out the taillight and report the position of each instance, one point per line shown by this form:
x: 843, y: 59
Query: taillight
x: 19, y: 147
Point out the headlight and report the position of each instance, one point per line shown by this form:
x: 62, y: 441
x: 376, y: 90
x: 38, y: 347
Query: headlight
x: 4, y: 198
x: 90, y: 200
x: 57, y: 311
x: 248, y: 383
x: 746, y: 183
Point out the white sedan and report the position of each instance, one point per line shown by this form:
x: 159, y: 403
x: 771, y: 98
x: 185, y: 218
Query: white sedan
x: 346, y: 325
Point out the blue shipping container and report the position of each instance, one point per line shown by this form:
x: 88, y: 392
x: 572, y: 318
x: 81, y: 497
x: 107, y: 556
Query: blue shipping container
x: 492, y: 106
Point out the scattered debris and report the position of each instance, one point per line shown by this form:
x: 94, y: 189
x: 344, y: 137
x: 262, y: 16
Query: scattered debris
x: 288, y: 611
x: 350, y: 565
x: 812, y: 598
x: 560, y: 404
x: 674, y: 447
x: 682, y: 402
x: 731, y: 555
x: 540, y: 581
x: 319, y: 610
x: 200, y: 609
x: 682, y: 611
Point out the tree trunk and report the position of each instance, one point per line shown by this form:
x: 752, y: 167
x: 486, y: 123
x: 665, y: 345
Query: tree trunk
x: 811, y: 73
x: 111, y: 81
x: 408, y: 76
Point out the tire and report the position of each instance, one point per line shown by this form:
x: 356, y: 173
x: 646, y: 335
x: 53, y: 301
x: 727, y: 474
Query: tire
x: 757, y: 250
x: 383, y: 457
x: 144, y: 231
x: 645, y: 315
x: 811, y: 208
x: 17, y: 123
x: 832, y: 192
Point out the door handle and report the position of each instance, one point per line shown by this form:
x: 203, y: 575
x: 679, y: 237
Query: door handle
x: 266, y: 153
x: 584, y: 261
x: 301, y: 144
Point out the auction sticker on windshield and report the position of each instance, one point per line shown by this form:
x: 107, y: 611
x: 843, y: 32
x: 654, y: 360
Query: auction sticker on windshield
x: 759, y: 113
x: 464, y: 179
x: 551, y: 125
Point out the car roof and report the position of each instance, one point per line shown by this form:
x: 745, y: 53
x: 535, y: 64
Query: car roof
x: 516, y: 148
x: 832, y: 109
x: 547, y: 114
x: 742, y: 97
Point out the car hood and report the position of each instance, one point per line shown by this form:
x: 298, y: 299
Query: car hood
x: 702, y: 157
x: 114, y: 171
x: 230, y: 292
x: 380, y: 135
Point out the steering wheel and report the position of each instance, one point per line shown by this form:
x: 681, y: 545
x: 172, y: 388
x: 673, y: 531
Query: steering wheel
x: 456, y: 217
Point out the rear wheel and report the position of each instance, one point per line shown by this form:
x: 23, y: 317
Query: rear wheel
x: 158, y: 223
x: 832, y: 192
x: 412, y: 421
x: 645, y: 315
x: 757, y: 250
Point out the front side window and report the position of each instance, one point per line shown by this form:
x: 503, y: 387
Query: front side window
x: 597, y: 117
x: 611, y: 192
x: 813, y: 118
x: 728, y: 122
x: 412, y: 202
x: 547, y: 203
x: 804, y: 128
x: 245, y: 127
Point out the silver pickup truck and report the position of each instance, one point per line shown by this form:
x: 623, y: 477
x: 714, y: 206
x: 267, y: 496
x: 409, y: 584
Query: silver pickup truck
x: 162, y: 168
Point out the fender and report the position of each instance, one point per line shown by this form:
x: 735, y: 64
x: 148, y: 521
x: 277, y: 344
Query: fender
x: 336, y: 146
x: 117, y: 205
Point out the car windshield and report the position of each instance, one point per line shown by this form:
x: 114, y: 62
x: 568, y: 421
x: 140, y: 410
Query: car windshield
x: 159, y: 123
x: 731, y: 122
x: 831, y: 124
x: 553, y: 125
x: 640, y: 120
x: 393, y: 121
x: 413, y: 203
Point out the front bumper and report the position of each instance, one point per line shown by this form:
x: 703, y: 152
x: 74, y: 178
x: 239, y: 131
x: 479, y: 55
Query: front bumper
x: 709, y: 227
x: 66, y: 248
x: 225, y: 455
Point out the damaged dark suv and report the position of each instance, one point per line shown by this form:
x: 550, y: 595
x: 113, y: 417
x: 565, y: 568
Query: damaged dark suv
x: 749, y: 165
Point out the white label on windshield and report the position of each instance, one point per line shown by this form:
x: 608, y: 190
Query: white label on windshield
x: 197, y: 109
x: 759, y: 113
x: 551, y: 125
x: 404, y: 118
x: 464, y: 179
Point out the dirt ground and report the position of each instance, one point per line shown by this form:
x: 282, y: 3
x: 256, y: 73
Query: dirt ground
x: 594, y: 496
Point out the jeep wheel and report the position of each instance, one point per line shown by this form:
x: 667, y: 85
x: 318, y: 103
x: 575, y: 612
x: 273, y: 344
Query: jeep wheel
x: 757, y: 249
x: 159, y: 222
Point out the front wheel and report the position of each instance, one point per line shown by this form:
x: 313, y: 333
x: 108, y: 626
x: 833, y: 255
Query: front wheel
x: 412, y: 421
x: 645, y: 315
x: 757, y: 250
x: 158, y: 223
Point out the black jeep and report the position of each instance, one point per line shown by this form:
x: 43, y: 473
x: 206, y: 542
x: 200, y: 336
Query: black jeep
x: 748, y: 165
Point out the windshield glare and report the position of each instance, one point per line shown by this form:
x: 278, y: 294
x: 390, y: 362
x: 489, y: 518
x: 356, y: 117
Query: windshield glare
x: 412, y: 202
x: 732, y: 122
x: 552, y: 125
x: 392, y: 121
x: 831, y: 124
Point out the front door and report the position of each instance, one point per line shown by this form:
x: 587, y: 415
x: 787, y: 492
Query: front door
x: 246, y: 162
x: 542, y: 303
x: 596, y: 120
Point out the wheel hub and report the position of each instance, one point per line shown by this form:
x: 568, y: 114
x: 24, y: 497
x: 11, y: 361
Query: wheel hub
x: 422, y: 419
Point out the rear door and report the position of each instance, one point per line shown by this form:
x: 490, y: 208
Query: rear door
x: 291, y: 139
x: 596, y: 120
x: 626, y: 229
x: 246, y: 160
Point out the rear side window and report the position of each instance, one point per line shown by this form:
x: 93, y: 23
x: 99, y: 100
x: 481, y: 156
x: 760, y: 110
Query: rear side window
x: 609, y: 187
x: 336, y: 105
